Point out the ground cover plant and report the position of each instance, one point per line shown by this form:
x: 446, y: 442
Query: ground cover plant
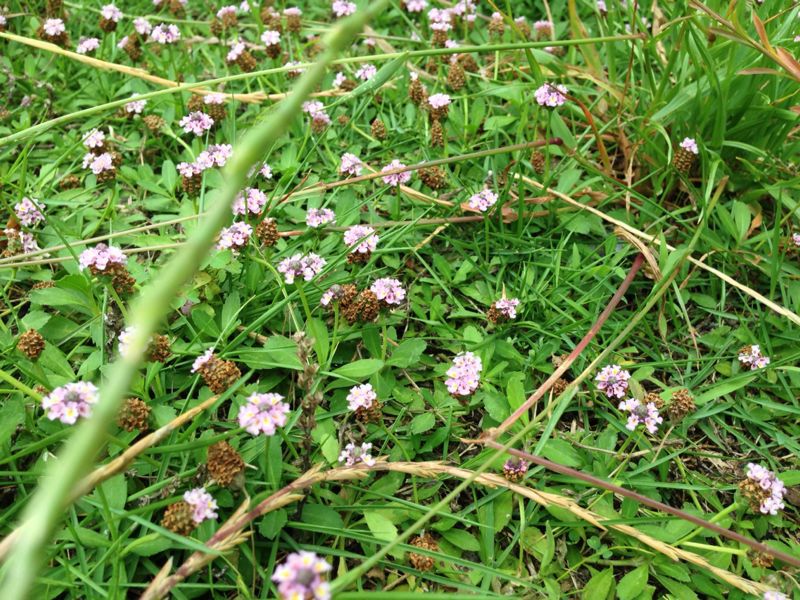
x: 375, y: 299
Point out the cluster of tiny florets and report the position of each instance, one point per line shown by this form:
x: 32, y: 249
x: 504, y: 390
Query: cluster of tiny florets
x: 306, y: 266
x: 464, y: 376
x: 752, y: 358
x: 70, y: 401
x: 612, y: 380
x: 641, y: 413
x: 263, y: 413
x: 763, y: 489
x: 300, y: 577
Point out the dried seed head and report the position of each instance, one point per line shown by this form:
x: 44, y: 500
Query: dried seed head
x: 31, y: 344
x: 456, y: 76
x: 69, y: 182
x: 134, y: 414
x: 267, y: 232
x: 224, y: 463
x: 178, y: 518
x: 682, y: 404
x: 153, y: 122
x: 159, y: 349
x: 219, y: 374
x: 434, y: 177
x: 437, y: 134
x: 378, y: 130
x: 514, y: 469
x: 422, y: 562
x: 538, y: 162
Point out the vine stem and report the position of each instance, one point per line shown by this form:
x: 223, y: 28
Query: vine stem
x: 49, y: 502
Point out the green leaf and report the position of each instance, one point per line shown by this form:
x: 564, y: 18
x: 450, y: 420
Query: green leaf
x: 278, y: 353
x: 422, y: 423
x: 407, y: 353
x: 272, y: 523
x: 562, y: 452
x: 462, y: 539
x: 725, y: 387
x: 631, y: 585
x: 359, y: 370
x: 115, y: 490
x: 318, y: 331
x: 12, y: 413
x: 381, y: 527
x: 600, y: 586
x: 148, y: 545
x: 319, y: 514
x: 515, y: 392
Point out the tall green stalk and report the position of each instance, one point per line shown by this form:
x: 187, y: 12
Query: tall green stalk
x: 48, y: 504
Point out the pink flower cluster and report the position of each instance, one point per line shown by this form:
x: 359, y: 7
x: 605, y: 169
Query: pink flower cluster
x: 94, y: 139
x: 317, y: 217
x: 769, y: 482
x: 366, y: 72
x: 352, y: 455
x: 202, y: 359
x: 754, y: 359
x: 316, y: 110
x: 361, y: 396
x: 70, y: 401
x: 234, y: 237
x: 343, y: 8
x: 165, y: 34
x: 388, y: 290
x: 111, y: 12
x: 690, y: 145
x: 98, y: 163
x: 142, y: 26
x: 214, y: 98
x: 440, y: 19
x: 299, y: 577
x: 135, y: 106
x: 464, y: 375
x: 99, y: 257
x: 361, y: 239
x: 216, y: 155
x: 226, y: 10
x: 350, y: 165
x: 54, y: 27
x: 439, y: 100
x: 251, y: 200
x: 306, y: 266
x: 415, y: 6
x: 263, y: 413
x: 395, y: 179
x: 28, y: 212
x: 483, y: 200
x: 86, y: 45
x: 551, y: 95
x: 25, y: 239
x: 612, y: 380
x: 237, y: 49
x: 796, y: 239
x: 507, y: 307
x: 271, y: 38
x: 641, y: 414
x: 196, y: 122
x: 203, y: 504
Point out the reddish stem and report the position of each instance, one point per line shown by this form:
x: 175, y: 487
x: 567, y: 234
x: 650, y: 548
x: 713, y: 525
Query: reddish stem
x: 493, y: 434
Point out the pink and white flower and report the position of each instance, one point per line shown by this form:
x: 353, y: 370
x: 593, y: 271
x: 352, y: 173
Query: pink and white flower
x: 613, y: 381
x: 551, y: 95
x: 464, y: 376
x: 298, y: 265
x: 317, y: 217
x: 388, y: 290
x: 352, y: 455
x: 86, y: 45
x: 263, y: 413
x: 28, y: 213
x: 483, y: 200
x: 361, y: 397
x: 395, y: 179
x: 641, y: 414
x: 300, y: 577
x: 361, y: 239
x: 70, y: 401
x: 350, y: 165
x: 196, y: 122
x: 100, y: 257
x: 203, y: 504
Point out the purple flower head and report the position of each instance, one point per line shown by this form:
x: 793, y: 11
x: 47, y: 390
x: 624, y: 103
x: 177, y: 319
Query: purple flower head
x: 361, y: 239
x: 483, y: 200
x: 754, y: 359
x: 352, y: 455
x: 86, y: 45
x: 202, y: 359
x: 70, y: 401
x: 266, y: 171
x: 415, y: 6
x: 234, y: 237
x: 395, y: 179
x: 203, y: 504
x: 28, y: 212
x: 293, y: 11
x: 25, y: 239
x: 111, y: 13
x: 613, y: 381
x: 601, y: 7
x: 196, y: 122
x: 306, y: 266
x: 94, y: 139
x: 189, y: 169
x: 142, y: 26
x: 796, y: 239
x: 263, y: 414
x: 464, y: 376
x: 317, y: 217
x: 641, y: 414
x: 439, y: 100
x: 99, y: 257
x: 98, y: 163
x: 690, y: 145
x: 350, y: 165
x: 271, y: 38
x: 165, y: 34
x: 361, y: 396
x: 769, y: 482
x: 216, y: 155
x: 135, y: 106
x: 251, y: 200
x: 388, y: 290
x: 543, y: 26
x: 507, y: 307
x: 551, y: 95
x: 772, y: 594
x: 339, y: 79
x: 237, y: 49
x: 54, y: 27
x: 226, y: 10
x: 215, y: 98
x: 366, y: 72
x: 342, y: 8
x: 300, y: 577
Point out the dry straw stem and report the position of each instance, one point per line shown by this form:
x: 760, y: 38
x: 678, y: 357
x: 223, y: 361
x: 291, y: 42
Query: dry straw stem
x: 121, y: 462
x: 784, y: 312
x: 47, y: 505
x: 230, y: 533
